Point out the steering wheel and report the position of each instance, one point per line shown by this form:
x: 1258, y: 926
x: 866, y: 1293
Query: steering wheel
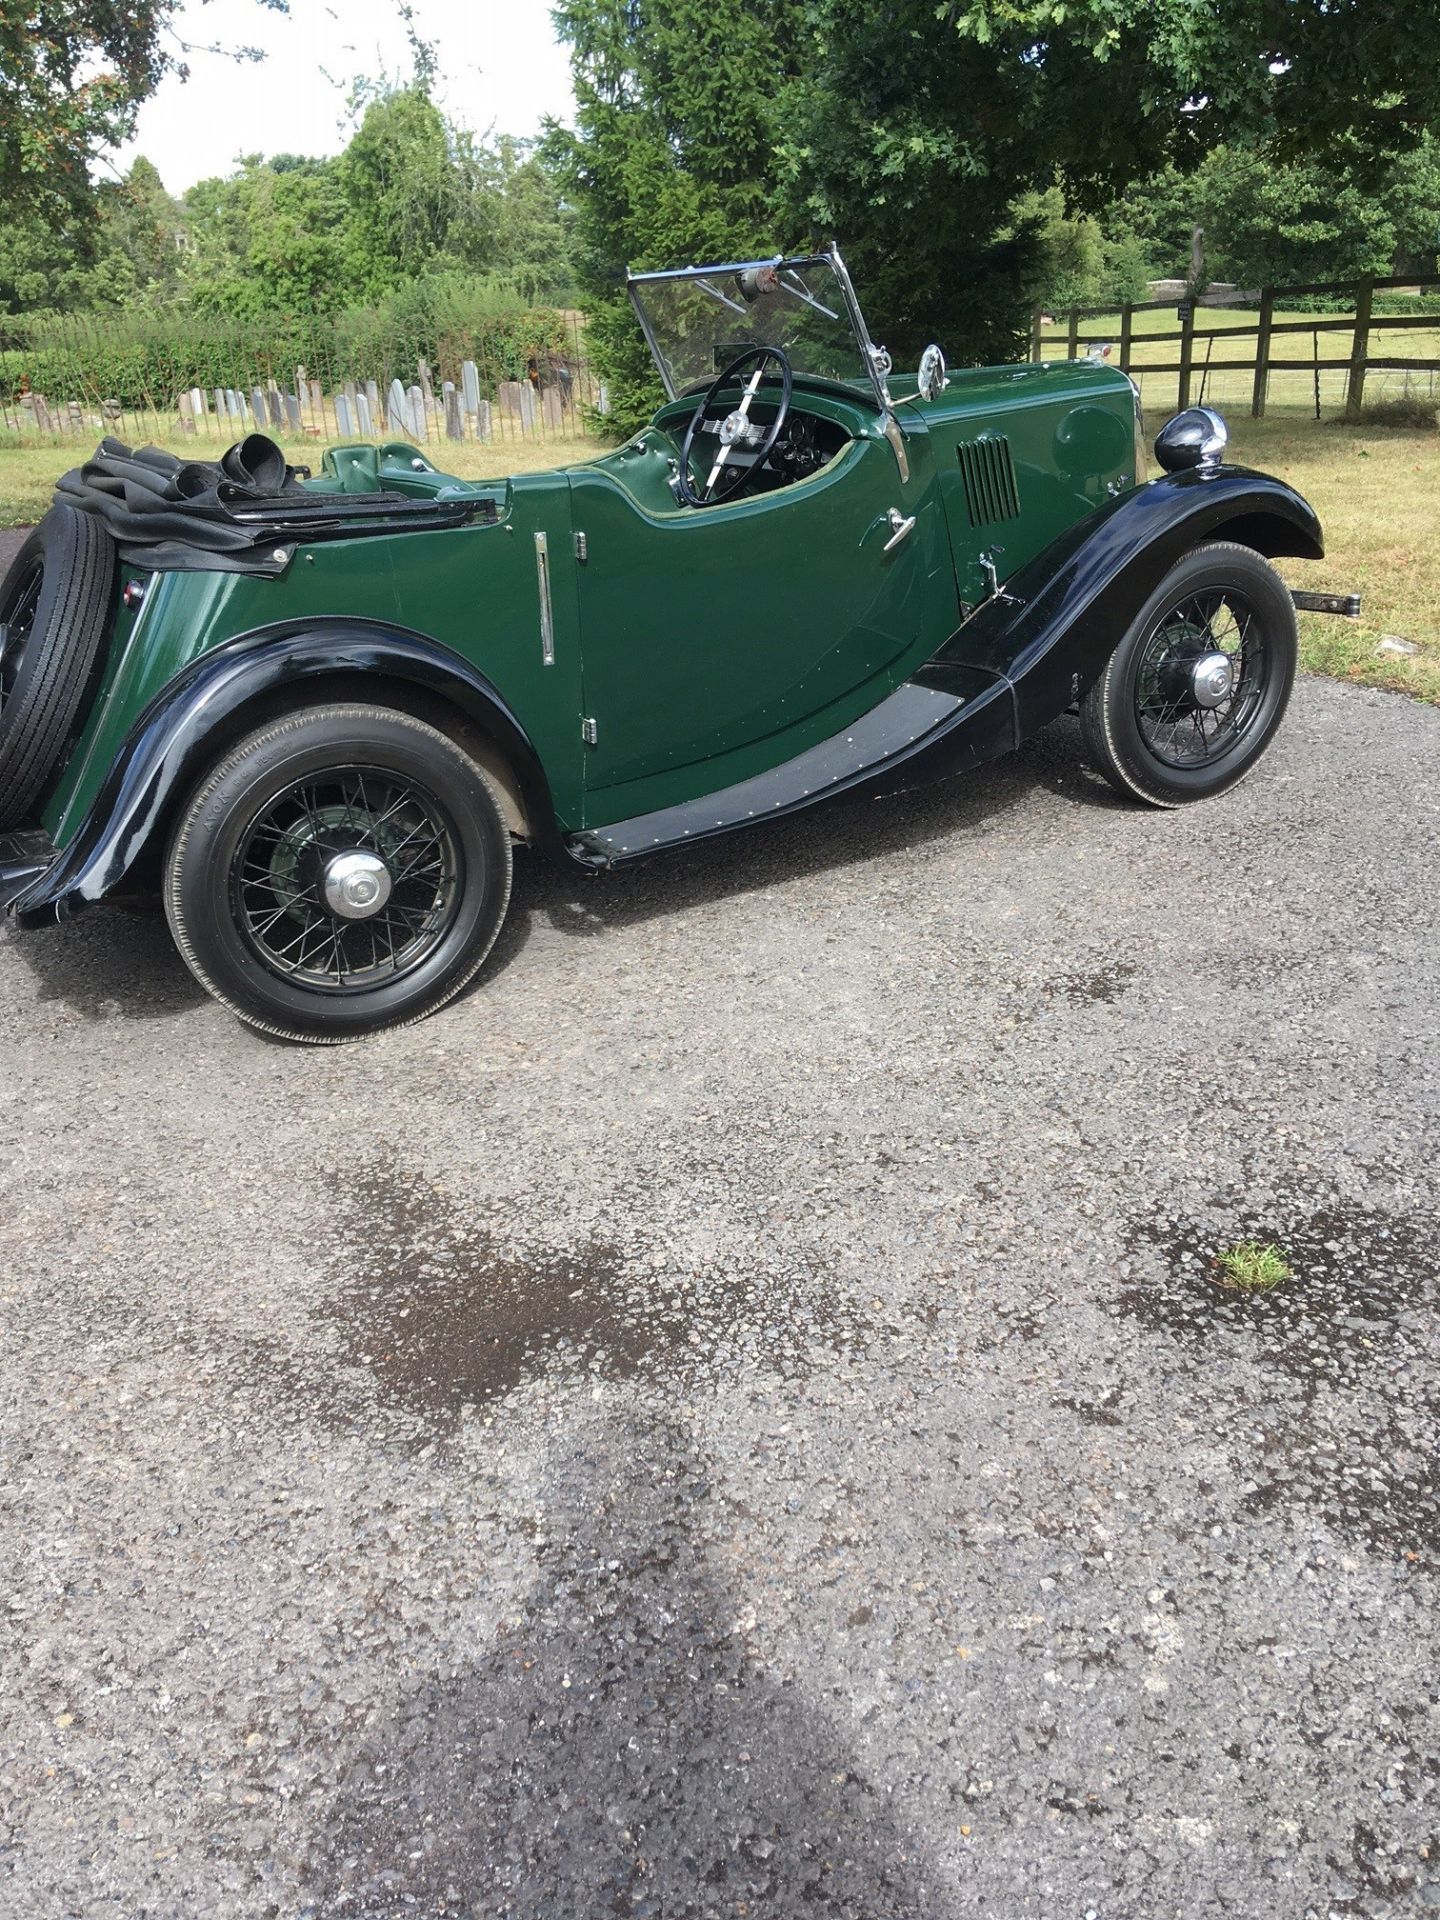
x: 735, y: 428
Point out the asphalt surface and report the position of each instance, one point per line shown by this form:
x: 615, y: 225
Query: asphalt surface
x: 735, y: 1417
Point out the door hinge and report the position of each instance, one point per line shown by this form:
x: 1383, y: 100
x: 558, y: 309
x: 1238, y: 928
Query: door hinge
x: 589, y: 731
x: 582, y: 548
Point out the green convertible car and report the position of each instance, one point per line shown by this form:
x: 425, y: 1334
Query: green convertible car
x: 315, y: 715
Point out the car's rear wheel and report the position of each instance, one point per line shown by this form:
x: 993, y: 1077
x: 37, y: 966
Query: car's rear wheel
x: 339, y: 872
x: 1194, y: 692
x: 55, y: 604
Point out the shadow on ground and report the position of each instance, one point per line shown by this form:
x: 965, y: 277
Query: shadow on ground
x: 107, y: 961
x: 622, y: 1747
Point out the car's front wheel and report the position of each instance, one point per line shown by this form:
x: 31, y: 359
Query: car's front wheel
x: 1193, y: 694
x: 339, y: 872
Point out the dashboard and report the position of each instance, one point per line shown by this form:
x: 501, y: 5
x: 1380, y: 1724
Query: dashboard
x: 808, y: 443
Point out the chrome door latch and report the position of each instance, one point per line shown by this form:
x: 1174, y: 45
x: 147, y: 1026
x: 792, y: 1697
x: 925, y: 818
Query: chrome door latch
x: 900, y: 529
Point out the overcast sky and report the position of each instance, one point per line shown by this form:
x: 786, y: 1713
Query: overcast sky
x: 500, y: 66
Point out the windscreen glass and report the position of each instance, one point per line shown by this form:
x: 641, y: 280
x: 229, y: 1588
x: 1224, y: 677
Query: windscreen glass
x: 700, y: 322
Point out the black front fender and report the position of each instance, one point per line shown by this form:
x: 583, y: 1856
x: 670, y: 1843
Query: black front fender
x: 193, y: 718
x: 1057, y: 621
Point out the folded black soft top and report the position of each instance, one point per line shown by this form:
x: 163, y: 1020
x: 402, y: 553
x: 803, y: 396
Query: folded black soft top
x: 239, y: 513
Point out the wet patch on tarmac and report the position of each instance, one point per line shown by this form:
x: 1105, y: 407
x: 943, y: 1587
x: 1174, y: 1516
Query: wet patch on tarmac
x: 446, y: 1319
x: 446, y: 1316
x: 1348, y: 1429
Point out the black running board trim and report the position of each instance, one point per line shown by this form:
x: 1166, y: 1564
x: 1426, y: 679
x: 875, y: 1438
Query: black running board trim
x: 955, y: 714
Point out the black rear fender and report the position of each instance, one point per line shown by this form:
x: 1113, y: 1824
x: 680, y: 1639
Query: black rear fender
x: 242, y: 684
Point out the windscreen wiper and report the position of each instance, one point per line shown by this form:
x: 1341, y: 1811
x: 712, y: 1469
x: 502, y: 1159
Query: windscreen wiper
x: 723, y: 298
x: 802, y: 292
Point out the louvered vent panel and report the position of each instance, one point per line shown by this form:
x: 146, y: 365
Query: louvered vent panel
x: 989, y: 475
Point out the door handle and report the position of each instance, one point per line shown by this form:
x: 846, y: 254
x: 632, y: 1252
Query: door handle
x: 900, y: 529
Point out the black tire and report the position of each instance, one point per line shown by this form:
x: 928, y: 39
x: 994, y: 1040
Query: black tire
x: 1144, y: 725
x: 253, y: 858
x: 55, y: 605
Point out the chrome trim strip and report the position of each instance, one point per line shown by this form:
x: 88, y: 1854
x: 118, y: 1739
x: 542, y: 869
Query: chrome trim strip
x: 728, y: 266
x: 547, y: 617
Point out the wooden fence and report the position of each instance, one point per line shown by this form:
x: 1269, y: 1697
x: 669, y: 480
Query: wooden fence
x: 1362, y: 323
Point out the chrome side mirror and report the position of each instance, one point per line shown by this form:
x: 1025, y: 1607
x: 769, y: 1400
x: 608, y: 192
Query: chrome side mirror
x: 931, y: 381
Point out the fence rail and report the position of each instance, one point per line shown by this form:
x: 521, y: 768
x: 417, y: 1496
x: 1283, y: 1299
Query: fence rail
x: 461, y: 393
x: 1357, y: 364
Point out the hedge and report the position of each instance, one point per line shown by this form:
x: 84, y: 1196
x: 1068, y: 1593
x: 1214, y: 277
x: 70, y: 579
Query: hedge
x: 143, y: 363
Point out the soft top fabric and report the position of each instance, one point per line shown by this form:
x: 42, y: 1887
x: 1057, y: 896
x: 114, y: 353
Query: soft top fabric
x: 234, y: 514
x: 146, y: 495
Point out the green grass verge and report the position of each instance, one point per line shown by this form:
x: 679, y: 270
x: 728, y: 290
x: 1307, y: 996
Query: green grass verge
x: 1375, y: 490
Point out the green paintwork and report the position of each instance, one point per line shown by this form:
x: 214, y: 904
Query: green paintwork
x: 705, y: 644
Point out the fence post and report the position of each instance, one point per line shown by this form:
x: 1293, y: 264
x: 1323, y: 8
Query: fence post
x: 1187, y: 351
x: 1074, y: 332
x: 1262, y: 353
x: 1127, y: 320
x: 1037, y: 313
x: 1359, y: 346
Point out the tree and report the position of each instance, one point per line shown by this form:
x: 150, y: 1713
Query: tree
x: 272, y: 238
x: 673, y: 156
x: 413, y: 186
x: 914, y: 130
x: 411, y: 200
x: 123, y: 251
x: 1276, y: 223
x: 534, y: 237
x: 72, y: 73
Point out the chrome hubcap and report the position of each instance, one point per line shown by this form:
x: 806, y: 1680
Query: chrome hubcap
x: 357, y: 884
x: 1212, y: 679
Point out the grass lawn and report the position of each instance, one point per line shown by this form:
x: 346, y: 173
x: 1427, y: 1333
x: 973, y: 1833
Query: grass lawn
x: 1377, y: 491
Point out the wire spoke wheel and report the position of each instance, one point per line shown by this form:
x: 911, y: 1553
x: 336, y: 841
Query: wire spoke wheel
x: 347, y: 879
x: 341, y: 871
x: 1201, y: 678
x: 1197, y: 685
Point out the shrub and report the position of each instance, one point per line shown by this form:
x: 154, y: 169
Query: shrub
x: 1410, y: 410
x: 144, y: 362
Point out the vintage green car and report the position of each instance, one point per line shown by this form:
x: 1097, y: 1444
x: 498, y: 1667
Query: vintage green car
x: 316, y: 715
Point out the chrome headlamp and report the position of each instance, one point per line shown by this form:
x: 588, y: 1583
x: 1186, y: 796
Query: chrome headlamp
x: 1195, y: 438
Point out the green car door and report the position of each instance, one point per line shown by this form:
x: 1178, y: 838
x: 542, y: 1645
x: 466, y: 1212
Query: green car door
x: 740, y: 633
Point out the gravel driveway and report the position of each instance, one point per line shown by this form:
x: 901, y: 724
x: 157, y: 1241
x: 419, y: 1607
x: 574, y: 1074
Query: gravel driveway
x: 732, y: 1418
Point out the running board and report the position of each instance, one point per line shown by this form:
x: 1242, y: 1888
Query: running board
x: 1347, y: 605
x: 946, y: 720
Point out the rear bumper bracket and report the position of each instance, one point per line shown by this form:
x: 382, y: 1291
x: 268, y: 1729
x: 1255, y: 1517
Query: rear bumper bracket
x: 24, y: 856
x: 1346, y: 605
